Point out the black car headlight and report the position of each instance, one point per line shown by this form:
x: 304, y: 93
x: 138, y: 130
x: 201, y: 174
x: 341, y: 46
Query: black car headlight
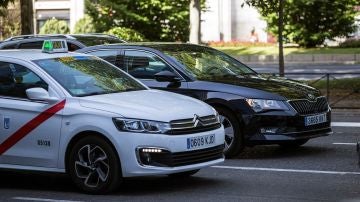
x: 141, y: 126
x: 260, y: 105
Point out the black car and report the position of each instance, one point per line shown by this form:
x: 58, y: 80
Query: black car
x: 254, y: 109
x: 74, y: 41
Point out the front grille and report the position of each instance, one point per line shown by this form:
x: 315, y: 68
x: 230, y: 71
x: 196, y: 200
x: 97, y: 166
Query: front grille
x: 305, y: 107
x: 194, y: 125
x: 168, y: 159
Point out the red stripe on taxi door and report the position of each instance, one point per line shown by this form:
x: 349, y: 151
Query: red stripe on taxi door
x: 30, y: 126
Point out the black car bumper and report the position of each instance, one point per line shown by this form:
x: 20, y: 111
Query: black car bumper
x: 277, y: 127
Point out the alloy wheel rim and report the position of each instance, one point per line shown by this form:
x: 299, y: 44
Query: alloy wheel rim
x: 92, y: 165
x: 229, y: 132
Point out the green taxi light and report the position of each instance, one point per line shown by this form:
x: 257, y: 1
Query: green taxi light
x: 47, y: 46
x: 55, y: 46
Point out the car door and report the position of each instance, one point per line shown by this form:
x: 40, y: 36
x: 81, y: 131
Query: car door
x: 29, y: 131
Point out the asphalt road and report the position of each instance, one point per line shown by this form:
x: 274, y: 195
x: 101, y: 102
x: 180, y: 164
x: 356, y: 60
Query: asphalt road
x: 319, y: 171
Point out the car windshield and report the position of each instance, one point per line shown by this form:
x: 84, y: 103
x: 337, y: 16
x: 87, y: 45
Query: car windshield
x: 202, y: 62
x: 88, y: 75
x: 97, y: 40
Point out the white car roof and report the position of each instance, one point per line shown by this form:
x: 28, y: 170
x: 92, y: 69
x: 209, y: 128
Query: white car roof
x: 30, y: 54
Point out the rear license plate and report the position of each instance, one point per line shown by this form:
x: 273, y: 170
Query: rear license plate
x: 316, y: 119
x: 200, y: 141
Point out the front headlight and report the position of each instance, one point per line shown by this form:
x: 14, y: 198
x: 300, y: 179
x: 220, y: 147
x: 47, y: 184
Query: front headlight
x: 141, y: 126
x: 259, y: 105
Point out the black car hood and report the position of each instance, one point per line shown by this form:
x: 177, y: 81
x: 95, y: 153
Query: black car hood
x: 260, y: 86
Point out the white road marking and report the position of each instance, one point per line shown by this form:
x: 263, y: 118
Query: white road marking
x: 41, y: 199
x: 288, y: 170
x: 344, y: 143
x: 345, y: 124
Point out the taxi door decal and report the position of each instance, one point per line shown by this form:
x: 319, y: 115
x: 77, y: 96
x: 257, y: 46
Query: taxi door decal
x: 30, y: 126
x: 6, y: 123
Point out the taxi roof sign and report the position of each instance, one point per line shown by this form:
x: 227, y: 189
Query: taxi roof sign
x: 54, y: 46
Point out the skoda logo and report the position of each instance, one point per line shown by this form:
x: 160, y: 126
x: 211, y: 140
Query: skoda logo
x: 197, y: 121
x: 311, y: 97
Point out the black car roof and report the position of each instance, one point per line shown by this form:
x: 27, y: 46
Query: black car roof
x: 78, y: 39
x: 64, y: 36
x: 160, y: 46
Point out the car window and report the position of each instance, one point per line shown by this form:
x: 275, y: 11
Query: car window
x: 205, y: 63
x: 88, y: 75
x: 108, y: 55
x: 144, y: 65
x: 31, y: 45
x: 72, y: 47
x: 16, y: 79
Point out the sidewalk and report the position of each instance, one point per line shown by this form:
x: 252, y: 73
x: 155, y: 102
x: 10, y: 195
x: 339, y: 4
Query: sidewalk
x: 302, y: 58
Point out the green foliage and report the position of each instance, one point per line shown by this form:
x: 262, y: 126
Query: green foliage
x: 165, y: 20
x: 351, y: 43
x: 9, y: 22
x: 126, y: 34
x: 4, y: 3
x: 310, y: 22
x: 3, y: 7
x: 54, y: 26
x: 84, y: 25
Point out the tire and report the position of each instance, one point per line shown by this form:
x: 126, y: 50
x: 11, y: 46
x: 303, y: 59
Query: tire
x: 184, y: 174
x: 234, y: 140
x: 293, y: 144
x: 94, y: 165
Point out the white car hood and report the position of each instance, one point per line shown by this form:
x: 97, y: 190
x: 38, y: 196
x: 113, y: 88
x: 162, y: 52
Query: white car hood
x: 148, y: 104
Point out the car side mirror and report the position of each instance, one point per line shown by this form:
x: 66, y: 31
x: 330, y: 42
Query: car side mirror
x: 167, y: 76
x: 40, y: 94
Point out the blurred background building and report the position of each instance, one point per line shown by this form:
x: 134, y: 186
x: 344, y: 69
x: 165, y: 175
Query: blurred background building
x: 69, y: 10
x: 228, y: 20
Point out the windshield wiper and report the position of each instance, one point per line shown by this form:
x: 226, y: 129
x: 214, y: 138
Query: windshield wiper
x: 97, y: 93
x: 107, y: 92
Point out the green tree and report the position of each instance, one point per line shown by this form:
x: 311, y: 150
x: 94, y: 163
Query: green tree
x: 9, y: 20
x: 84, y: 25
x: 276, y: 7
x: 126, y: 34
x: 165, y: 20
x: 54, y: 26
x: 4, y: 3
x: 310, y: 22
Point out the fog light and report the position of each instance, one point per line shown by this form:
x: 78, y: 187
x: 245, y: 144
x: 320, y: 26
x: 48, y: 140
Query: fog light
x: 268, y: 130
x: 151, y: 150
x: 153, y: 156
x: 146, y: 158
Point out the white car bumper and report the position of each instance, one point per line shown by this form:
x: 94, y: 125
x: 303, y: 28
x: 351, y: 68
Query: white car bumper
x: 130, y: 144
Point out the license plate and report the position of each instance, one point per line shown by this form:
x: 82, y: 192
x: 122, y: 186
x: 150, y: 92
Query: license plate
x: 316, y: 119
x: 200, y: 141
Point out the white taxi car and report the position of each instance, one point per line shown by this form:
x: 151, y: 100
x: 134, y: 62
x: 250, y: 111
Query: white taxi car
x: 74, y: 113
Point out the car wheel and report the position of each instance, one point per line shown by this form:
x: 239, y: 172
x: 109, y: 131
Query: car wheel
x: 234, y: 141
x: 94, y: 166
x: 184, y: 174
x: 293, y: 144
